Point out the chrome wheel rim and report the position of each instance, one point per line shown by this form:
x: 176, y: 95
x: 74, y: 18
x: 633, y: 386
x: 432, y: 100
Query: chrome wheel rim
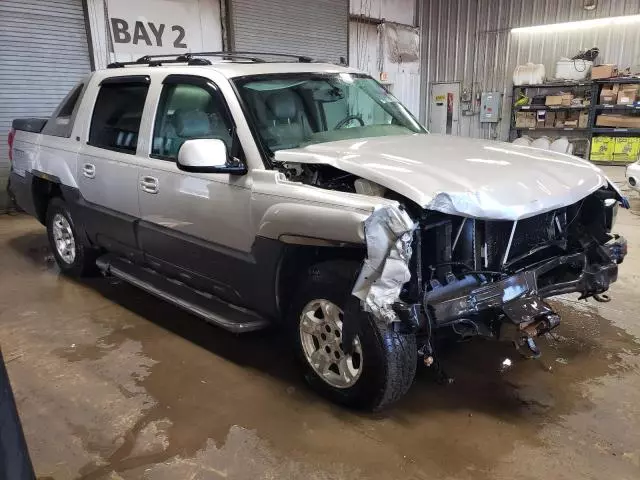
x: 63, y: 238
x: 321, y: 338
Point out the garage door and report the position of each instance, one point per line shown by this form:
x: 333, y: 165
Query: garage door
x: 317, y: 28
x: 43, y: 53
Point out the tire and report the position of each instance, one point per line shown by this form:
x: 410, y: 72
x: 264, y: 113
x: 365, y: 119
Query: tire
x: 82, y: 261
x: 385, y: 364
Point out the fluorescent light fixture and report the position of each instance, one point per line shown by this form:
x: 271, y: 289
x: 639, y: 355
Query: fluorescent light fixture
x: 596, y: 22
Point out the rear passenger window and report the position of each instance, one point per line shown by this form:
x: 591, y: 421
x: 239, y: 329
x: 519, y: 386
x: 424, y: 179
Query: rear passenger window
x: 61, y: 122
x: 185, y: 112
x: 117, y: 114
x: 69, y: 103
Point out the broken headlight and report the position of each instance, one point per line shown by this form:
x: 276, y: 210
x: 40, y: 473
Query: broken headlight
x: 610, y: 213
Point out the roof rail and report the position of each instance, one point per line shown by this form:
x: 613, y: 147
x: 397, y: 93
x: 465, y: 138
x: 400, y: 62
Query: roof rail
x: 191, y: 58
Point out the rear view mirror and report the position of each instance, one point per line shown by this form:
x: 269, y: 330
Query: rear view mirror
x: 208, y: 155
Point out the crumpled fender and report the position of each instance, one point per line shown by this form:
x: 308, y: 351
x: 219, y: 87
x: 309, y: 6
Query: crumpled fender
x: 389, y: 232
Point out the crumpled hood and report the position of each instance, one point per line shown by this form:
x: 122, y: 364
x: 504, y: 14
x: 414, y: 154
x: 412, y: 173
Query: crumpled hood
x: 461, y: 176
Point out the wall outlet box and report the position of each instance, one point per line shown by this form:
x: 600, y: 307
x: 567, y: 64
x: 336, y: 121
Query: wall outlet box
x: 490, y: 107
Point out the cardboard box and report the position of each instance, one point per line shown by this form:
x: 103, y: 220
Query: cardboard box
x: 604, y: 71
x: 572, y: 119
x: 628, y: 94
x: 583, y: 120
x: 609, y: 94
x: 566, y: 99
x: 550, y: 120
x: 617, y: 121
x: 602, y: 148
x: 552, y: 100
x: 626, y: 149
x: 525, y: 119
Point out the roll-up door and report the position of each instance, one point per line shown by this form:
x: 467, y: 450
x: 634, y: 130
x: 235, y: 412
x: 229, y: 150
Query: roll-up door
x: 315, y: 28
x: 43, y: 53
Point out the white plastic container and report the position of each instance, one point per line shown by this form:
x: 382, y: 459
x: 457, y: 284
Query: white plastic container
x: 543, y: 143
x: 529, y: 74
x: 561, y: 145
x: 523, y: 141
x: 576, y: 70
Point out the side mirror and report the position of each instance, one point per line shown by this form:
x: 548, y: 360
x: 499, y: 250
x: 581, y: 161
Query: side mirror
x: 208, y: 155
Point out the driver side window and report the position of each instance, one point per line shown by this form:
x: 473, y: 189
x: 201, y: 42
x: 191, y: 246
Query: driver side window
x: 185, y: 112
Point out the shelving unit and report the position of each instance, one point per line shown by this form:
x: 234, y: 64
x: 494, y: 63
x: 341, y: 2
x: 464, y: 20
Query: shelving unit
x: 588, y: 89
x: 576, y: 134
x: 624, y: 109
x: 550, y: 129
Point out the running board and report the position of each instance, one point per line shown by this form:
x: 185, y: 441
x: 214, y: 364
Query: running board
x: 206, y: 306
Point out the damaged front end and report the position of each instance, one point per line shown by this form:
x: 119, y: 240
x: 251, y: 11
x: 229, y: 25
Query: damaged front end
x: 489, y: 278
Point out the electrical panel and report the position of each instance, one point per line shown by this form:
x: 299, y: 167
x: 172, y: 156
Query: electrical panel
x: 490, y: 107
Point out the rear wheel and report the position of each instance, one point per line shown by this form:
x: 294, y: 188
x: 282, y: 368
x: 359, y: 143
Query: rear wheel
x: 381, y: 363
x: 71, y: 254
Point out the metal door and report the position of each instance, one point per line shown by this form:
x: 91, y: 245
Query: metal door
x: 108, y: 183
x: 194, y: 226
x: 444, y: 108
x: 43, y: 54
x: 107, y: 168
x: 317, y: 29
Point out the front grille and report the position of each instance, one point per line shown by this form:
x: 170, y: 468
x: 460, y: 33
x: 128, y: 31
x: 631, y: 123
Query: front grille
x: 530, y: 233
x: 449, y: 243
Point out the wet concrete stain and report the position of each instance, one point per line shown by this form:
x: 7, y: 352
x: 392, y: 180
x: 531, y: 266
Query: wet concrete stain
x: 214, y: 405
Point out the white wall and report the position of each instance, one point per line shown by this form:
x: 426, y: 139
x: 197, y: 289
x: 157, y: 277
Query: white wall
x: 199, y: 18
x: 399, y: 11
x: 371, y: 42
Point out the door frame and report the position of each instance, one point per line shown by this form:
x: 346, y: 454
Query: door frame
x: 429, y: 112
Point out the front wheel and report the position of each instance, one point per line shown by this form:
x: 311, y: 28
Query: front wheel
x: 381, y: 363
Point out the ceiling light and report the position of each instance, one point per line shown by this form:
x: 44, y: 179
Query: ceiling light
x: 596, y: 22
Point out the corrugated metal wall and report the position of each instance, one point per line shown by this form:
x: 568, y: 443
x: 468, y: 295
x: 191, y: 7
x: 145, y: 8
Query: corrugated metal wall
x: 43, y: 53
x: 470, y: 41
x: 317, y: 29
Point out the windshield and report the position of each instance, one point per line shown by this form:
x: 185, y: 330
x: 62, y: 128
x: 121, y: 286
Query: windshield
x: 292, y: 111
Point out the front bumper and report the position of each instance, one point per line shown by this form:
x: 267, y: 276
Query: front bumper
x: 519, y: 296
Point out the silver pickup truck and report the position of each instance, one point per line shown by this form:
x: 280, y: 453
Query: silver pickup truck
x: 304, y: 194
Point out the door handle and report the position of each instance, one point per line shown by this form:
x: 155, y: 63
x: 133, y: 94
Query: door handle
x: 149, y: 184
x: 89, y: 170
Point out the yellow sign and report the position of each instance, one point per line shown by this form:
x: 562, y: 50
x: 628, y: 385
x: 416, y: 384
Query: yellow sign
x: 441, y: 98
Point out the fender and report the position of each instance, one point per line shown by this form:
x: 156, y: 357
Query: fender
x: 304, y: 224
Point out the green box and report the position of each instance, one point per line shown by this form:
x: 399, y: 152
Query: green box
x: 626, y: 149
x: 602, y: 148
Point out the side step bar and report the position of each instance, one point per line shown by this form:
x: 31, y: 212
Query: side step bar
x: 206, y: 306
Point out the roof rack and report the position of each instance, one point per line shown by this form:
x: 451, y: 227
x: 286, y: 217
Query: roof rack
x: 192, y: 58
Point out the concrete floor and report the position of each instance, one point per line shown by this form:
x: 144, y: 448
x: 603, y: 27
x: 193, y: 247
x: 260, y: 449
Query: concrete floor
x: 112, y: 383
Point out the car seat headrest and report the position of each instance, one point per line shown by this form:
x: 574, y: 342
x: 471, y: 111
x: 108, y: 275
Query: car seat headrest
x: 191, y: 123
x: 283, y: 105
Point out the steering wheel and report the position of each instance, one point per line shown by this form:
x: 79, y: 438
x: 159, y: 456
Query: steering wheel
x: 347, y: 119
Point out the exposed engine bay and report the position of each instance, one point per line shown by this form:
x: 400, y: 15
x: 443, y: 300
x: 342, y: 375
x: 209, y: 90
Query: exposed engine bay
x: 323, y: 176
x: 489, y: 278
